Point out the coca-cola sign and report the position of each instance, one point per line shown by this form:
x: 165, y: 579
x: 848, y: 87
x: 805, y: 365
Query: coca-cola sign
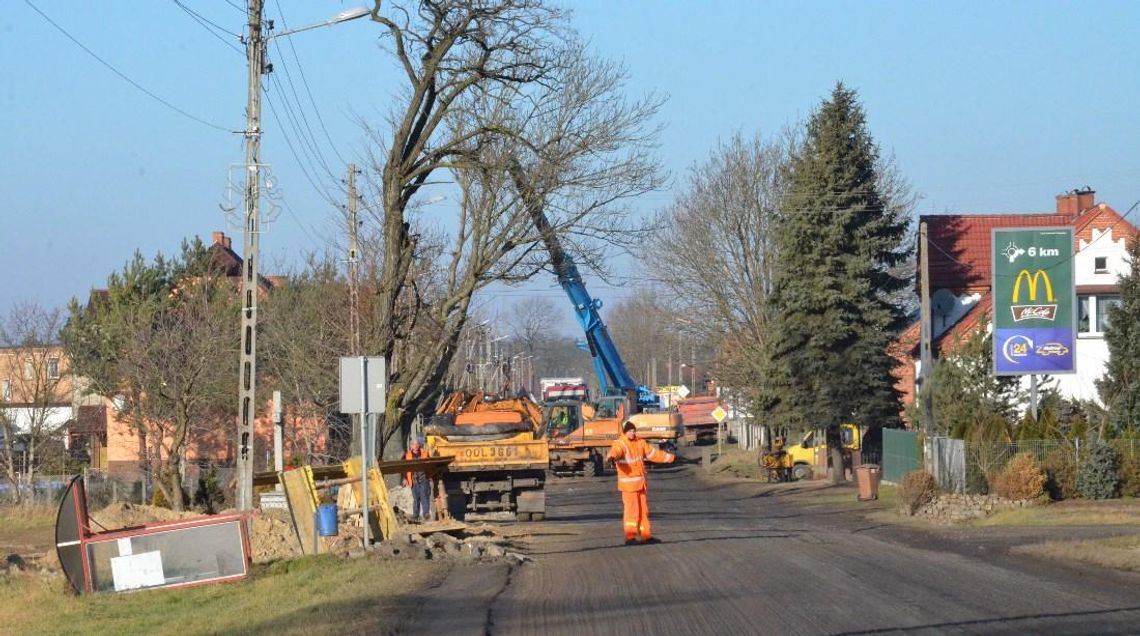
x: 1034, y: 312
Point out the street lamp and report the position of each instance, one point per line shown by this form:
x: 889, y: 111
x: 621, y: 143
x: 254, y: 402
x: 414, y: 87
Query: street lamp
x: 251, y: 230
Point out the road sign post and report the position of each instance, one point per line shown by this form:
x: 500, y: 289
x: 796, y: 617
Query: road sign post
x: 363, y: 384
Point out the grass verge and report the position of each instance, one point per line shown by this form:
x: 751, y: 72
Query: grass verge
x: 1121, y: 553
x: 309, y: 595
x: 1068, y: 513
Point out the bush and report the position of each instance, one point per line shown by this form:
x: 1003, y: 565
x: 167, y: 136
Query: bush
x: 1130, y: 476
x: 918, y: 488
x: 210, y: 497
x: 1022, y: 478
x: 1098, y: 477
x: 1060, y: 475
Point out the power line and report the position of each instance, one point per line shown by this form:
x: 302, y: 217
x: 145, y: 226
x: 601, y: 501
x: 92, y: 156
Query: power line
x: 123, y: 76
x: 206, y: 24
x: 309, y: 92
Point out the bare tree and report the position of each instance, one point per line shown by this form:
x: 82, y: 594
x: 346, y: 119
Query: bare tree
x: 486, y: 82
x: 302, y: 341
x: 35, y: 394
x: 714, y: 252
x: 644, y: 328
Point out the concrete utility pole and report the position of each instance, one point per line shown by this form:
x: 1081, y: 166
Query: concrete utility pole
x: 926, y: 359
x: 251, y: 229
x: 353, y: 254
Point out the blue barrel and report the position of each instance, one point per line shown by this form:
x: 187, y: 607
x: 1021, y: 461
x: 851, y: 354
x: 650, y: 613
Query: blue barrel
x: 326, y: 520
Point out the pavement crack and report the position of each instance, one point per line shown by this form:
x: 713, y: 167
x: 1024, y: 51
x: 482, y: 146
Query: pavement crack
x: 489, y: 622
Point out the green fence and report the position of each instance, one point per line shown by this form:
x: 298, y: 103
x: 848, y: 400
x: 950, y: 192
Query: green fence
x: 900, y: 454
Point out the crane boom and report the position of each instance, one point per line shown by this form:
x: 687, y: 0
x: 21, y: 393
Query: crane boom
x: 613, y: 376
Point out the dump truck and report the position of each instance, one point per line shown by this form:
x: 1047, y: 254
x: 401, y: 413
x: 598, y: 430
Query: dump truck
x: 697, y: 418
x: 580, y: 434
x: 501, y: 455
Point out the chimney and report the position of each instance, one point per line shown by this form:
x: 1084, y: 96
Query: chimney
x: 1076, y: 201
x: 220, y: 237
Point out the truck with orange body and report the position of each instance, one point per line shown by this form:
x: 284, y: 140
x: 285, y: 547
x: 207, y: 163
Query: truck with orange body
x: 501, y: 455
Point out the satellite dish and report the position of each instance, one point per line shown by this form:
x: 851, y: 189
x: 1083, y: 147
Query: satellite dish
x: 942, y: 304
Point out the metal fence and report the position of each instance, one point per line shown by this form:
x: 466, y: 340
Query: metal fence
x: 103, y: 489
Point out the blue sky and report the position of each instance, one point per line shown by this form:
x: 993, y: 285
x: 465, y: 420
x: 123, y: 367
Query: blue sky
x: 987, y: 107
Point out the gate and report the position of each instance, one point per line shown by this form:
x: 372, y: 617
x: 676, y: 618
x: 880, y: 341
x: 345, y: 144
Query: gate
x: 900, y: 454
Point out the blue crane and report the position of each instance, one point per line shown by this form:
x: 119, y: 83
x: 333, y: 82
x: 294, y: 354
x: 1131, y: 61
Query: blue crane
x: 613, y: 376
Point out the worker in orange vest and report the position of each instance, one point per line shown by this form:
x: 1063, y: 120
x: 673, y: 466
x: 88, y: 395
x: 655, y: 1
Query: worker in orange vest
x: 418, y: 482
x: 628, y: 455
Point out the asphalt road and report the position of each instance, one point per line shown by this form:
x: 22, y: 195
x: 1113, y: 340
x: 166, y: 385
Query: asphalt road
x: 743, y: 558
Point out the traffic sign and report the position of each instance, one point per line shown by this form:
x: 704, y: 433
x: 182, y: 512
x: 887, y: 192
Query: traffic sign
x: 719, y: 414
x: 683, y: 391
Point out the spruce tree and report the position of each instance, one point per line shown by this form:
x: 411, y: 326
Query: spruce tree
x: 1119, y: 388
x: 838, y: 244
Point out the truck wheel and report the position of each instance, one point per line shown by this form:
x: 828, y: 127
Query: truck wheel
x: 595, y: 467
x: 801, y: 471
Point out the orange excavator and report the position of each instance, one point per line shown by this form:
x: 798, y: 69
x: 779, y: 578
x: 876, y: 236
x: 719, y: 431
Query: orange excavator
x: 500, y: 452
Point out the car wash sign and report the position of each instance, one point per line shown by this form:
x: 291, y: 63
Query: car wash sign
x: 1034, y: 300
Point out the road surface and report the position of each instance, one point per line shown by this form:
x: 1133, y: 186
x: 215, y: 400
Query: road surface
x: 746, y: 558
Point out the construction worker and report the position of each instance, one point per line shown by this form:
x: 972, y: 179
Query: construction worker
x: 628, y: 455
x: 418, y: 482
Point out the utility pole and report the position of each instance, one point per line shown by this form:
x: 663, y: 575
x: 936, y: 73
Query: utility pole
x: 926, y: 359
x: 353, y: 254
x: 251, y: 228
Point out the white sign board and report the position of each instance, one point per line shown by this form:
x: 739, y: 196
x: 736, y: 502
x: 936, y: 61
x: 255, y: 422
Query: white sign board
x: 352, y: 385
x: 136, y: 571
x: 683, y: 391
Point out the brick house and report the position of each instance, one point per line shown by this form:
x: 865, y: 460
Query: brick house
x: 960, y: 279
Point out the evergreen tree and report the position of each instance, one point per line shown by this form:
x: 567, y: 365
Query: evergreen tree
x: 839, y: 243
x: 1119, y: 388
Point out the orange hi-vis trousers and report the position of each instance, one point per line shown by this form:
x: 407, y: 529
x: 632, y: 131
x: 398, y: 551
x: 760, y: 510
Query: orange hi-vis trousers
x: 636, y: 515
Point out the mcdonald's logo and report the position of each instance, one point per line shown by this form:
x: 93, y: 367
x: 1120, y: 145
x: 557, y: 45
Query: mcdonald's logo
x: 1033, y: 279
x: 1033, y: 311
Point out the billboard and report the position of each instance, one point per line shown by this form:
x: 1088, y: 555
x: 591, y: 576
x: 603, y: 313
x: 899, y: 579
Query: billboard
x: 1034, y: 317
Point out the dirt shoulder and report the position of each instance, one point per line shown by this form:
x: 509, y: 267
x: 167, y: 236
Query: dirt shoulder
x: 1077, y: 534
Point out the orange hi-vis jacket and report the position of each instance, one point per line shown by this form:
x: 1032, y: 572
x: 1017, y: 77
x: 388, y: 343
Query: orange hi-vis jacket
x: 409, y: 477
x: 630, y: 456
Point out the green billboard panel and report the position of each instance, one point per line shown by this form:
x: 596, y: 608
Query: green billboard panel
x: 1034, y: 318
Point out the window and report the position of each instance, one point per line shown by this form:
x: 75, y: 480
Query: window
x: 1092, y: 313
x: 6, y: 390
x: 1103, y: 303
x: 29, y: 368
x: 1100, y: 265
x: 53, y: 368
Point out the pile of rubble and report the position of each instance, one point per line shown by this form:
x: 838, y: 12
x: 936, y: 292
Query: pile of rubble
x: 476, y: 545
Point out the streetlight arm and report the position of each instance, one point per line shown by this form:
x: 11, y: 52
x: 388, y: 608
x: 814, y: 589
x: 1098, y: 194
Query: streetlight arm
x: 343, y: 16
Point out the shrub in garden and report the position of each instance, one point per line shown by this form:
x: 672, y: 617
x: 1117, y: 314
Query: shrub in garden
x: 1098, y: 477
x: 1060, y: 475
x: 1130, y: 475
x: 917, y: 489
x: 1021, y: 478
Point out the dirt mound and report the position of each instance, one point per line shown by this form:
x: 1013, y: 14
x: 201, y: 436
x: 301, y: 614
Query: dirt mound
x: 272, y: 537
x: 128, y: 515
